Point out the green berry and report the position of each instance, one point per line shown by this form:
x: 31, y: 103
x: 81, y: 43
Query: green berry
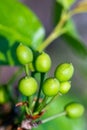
x: 3, y: 95
x: 51, y: 87
x: 28, y: 86
x: 64, y: 72
x: 24, y: 54
x: 65, y: 87
x: 74, y: 110
x: 43, y: 62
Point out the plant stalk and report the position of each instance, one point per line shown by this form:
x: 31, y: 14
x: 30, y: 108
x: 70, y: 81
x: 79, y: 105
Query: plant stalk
x: 58, y: 30
x: 39, y: 92
x: 27, y: 70
x: 41, y: 106
x: 53, y: 117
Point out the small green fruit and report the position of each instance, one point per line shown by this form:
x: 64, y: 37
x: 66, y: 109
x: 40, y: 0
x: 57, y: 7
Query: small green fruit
x: 28, y: 86
x: 74, y: 110
x: 43, y: 62
x: 24, y: 54
x: 3, y: 96
x: 65, y: 87
x: 64, y: 72
x: 51, y: 87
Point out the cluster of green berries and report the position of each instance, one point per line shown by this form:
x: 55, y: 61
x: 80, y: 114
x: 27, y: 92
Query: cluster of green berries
x: 52, y: 86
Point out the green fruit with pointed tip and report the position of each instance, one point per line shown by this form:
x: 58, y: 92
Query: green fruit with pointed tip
x: 51, y: 87
x: 28, y: 86
x: 64, y: 72
x: 65, y: 87
x: 24, y: 54
x: 74, y: 110
x: 43, y: 62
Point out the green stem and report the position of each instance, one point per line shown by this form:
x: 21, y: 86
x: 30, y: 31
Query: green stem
x: 28, y: 111
x: 53, y: 117
x: 53, y: 98
x: 28, y: 107
x: 30, y: 101
x: 58, y: 30
x: 81, y: 7
x: 27, y: 70
x: 39, y: 92
x: 41, y: 106
x: 49, y: 102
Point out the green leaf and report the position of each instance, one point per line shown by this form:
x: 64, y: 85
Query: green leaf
x: 18, y: 24
x: 70, y: 28
x: 57, y: 12
x: 76, y: 44
x: 73, y: 39
x: 66, y: 3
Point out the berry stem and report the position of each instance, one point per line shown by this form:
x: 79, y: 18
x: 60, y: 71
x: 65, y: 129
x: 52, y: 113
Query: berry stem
x: 53, y: 117
x: 39, y: 92
x: 53, y: 98
x: 41, y: 106
x: 30, y: 101
x: 27, y: 70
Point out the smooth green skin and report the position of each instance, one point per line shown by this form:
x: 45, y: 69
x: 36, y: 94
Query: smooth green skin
x: 51, y: 87
x: 74, y: 110
x: 43, y: 62
x: 28, y: 86
x: 64, y: 72
x: 65, y: 87
x: 3, y: 97
x: 24, y: 54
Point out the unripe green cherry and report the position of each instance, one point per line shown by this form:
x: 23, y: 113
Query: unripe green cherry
x: 24, y: 54
x: 51, y: 87
x: 64, y: 72
x: 74, y: 110
x: 28, y: 86
x: 65, y: 87
x: 43, y: 62
x: 3, y: 95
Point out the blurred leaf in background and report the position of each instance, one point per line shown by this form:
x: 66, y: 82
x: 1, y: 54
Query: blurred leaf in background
x: 62, y: 123
x: 73, y: 39
x: 17, y: 24
x: 66, y: 3
x: 71, y: 34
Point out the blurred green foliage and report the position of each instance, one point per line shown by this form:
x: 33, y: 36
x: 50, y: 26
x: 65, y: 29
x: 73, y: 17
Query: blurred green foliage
x: 62, y: 123
x: 71, y: 35
x: 17, y: 24
x: 66, y: 3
